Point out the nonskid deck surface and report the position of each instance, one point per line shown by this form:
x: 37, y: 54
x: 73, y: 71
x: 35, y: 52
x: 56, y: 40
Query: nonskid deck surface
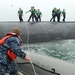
x: 27, y: 69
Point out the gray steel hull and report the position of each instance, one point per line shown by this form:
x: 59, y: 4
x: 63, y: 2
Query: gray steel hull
x: 40, y: 31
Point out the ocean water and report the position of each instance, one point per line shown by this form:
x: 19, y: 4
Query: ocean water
x: 61, y: 49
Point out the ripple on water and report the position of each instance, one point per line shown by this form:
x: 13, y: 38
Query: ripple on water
x: 61, y: 49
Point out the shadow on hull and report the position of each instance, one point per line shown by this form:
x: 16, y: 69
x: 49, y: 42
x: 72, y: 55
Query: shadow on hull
x: 40, y: 31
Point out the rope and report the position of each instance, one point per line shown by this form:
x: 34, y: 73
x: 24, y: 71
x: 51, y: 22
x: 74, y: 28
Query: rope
x: 28, y: 50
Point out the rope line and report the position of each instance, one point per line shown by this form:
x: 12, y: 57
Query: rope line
x: 28, y: 50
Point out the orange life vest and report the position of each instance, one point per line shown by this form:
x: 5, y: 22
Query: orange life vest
x: 10, y: 53
x: 8, y: 35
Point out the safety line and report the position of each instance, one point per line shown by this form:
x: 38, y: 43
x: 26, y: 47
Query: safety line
x: 28, y: 50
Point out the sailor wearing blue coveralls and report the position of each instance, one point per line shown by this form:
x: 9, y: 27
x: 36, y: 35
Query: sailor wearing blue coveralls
x: 6, y: 65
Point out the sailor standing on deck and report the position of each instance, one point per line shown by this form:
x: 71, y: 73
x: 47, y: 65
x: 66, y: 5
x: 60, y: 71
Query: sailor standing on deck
x: 54, y: 14
x: 20, y: 14
x: 33, y: 14
x: 9, y: 50
x: 38, y: 15
x: 64, y: 15
x: 58, y: 15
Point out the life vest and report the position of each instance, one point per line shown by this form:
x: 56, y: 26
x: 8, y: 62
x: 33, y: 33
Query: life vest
x: 10, y: 53
x: 8, y: 35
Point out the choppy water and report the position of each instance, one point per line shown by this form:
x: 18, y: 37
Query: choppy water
x: 61, y: 49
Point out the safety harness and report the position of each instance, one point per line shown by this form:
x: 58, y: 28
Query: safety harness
x: 10, y: 53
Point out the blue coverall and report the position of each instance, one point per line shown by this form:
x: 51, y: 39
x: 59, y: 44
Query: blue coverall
x: 6, y: 65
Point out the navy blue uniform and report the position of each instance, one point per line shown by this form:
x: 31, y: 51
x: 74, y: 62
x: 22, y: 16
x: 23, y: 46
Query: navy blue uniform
x: 6, y: 65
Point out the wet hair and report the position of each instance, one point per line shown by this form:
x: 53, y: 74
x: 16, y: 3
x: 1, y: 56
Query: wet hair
x: 16, y: 30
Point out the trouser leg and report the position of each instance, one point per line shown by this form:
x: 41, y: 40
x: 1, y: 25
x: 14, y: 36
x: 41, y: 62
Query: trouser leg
x: 13, y: 69
x: 39, y: 18
x: 30, y: 17
x: 2, y: 69
x: 34, y: 17
x: 19, y: 18
x: 58, y: 18
x: 52, y: 18
x: 63, y: 18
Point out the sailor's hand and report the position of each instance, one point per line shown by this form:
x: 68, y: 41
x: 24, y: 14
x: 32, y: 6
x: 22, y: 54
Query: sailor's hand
x: 26, y: 12
x: 27, y: 58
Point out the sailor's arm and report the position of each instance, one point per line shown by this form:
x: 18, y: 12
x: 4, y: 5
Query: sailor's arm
x: 28, y: 11
x: 18, y: 51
